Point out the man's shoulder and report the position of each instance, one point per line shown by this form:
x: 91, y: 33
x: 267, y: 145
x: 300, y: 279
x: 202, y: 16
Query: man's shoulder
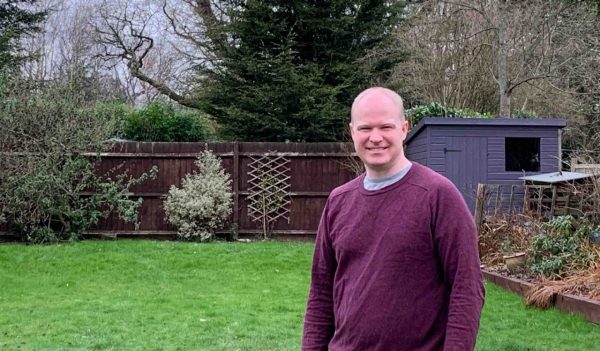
x: 348, y: 187
x: 428, y: 179
x: 439, y: 189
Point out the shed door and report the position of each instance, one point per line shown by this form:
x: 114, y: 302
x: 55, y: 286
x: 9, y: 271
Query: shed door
x: 466, y: 165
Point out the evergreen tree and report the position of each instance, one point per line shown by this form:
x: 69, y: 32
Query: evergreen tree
x: 293, y: 68
x: 16, y: 20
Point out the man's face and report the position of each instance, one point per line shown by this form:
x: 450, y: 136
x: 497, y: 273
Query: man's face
x: 378, y: 132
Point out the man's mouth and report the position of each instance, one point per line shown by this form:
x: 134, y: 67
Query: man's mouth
x: 378, y: 148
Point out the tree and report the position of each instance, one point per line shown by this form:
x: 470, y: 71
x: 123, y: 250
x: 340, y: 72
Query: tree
x: 16, y: 21
x: 294, y: 71
x: 534, y: 46
x: 269, y: 70
x: 439, y: 68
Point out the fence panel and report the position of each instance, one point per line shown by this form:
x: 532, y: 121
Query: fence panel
x: 547, y: 200
x: 315, y: 169
x: 587, y: 168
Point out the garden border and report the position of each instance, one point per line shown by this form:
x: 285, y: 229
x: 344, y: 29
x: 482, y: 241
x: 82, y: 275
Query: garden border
x: 587, y: 308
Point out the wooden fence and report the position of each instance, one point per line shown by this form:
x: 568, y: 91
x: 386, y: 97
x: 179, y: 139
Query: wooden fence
x: 314, y: 169
x: 587, y: 168
x: 542, y: 200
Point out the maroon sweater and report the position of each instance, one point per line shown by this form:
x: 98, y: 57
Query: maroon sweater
x: 395, y: 269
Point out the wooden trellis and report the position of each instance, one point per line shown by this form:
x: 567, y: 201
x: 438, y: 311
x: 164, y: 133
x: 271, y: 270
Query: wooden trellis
x: 269, y: 189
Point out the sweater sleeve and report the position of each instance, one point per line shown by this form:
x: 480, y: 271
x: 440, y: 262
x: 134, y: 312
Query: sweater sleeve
x: 455, y: 236
x: 319, y: 323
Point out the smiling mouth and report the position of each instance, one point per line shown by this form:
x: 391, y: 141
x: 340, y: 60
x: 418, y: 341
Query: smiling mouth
x: 379, y: 148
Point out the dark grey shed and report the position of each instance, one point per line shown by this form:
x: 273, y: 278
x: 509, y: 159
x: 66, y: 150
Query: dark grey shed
x: 469, y: 151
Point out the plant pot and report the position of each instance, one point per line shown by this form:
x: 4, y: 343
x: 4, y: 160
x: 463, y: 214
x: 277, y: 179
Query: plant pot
x: 515, y: 262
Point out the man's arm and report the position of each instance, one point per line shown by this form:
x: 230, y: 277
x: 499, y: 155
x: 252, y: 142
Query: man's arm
x: 455, y: 237
x: 319, y: 323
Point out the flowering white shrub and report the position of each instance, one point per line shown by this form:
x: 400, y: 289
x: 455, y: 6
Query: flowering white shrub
x: 204, y: 201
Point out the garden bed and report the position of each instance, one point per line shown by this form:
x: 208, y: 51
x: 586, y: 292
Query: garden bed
x: 588, y: 308
x: 560, y: 267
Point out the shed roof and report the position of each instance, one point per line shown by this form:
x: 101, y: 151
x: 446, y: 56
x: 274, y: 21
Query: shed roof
x: 555, y: 177
x: 505, y: 122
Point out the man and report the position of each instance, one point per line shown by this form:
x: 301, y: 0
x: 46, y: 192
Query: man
x: 396, y: 265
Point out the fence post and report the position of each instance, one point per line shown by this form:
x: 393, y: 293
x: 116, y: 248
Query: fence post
x: 510, y: 204
x: 236, y: 184
x: 480, y: 207
x: 553, y: 204
x: 526, y: 199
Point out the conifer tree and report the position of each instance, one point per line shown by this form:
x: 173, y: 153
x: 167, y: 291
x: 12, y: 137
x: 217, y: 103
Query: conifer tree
x: 16, y: 20
x: 293, y: 68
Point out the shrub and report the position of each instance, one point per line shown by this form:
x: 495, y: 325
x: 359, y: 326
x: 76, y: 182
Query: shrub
x: 43, y: 172
x: 417, y: 113
x: 524, y: 114
x: 47, y: 205
x: 561, y: 246
x: 203, y: 202
x: 119, y: 110
x: 162, y: 122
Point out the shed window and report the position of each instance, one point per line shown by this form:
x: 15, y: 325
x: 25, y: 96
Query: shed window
x: 522, y: 154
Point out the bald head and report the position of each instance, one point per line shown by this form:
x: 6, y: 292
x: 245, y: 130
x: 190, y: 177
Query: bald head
x: 373, y: 96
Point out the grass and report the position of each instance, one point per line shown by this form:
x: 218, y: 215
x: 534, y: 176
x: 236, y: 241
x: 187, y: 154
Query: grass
x: 147, y: 295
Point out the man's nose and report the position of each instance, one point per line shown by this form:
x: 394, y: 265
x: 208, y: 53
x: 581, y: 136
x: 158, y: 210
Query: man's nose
x: 375, y: 136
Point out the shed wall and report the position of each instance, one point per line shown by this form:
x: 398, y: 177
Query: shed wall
x: 417, y: 149
x: 549, y: 148
x: 549, y: 157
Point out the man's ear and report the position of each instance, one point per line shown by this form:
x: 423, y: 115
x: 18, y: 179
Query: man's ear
x: 405, y: 126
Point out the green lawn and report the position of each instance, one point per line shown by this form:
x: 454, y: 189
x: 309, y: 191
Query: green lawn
x: 147, y: 295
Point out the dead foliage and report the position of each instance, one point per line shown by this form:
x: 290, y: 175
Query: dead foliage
x: 543, y: 293
x: 498, y: 231
x: 582, y: 283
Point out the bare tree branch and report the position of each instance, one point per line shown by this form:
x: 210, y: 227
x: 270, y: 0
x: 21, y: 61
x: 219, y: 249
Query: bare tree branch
x: 503, y: 45
x: 124, y: 36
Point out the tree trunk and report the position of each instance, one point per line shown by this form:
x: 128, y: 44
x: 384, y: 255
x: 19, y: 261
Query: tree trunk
x: 502, y: 70
x: 504, y: 104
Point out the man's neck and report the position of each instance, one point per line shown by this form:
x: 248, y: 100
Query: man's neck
x: 373, y: 184
x: 382, y: 173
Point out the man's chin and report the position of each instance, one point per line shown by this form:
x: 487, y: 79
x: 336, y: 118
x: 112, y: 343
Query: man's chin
x: 377, y: 165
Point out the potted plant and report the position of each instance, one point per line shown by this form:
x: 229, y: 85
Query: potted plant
x: 514, y: 261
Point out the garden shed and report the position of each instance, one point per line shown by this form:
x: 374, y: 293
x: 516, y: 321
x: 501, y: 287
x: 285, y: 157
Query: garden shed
x: 469, y: 151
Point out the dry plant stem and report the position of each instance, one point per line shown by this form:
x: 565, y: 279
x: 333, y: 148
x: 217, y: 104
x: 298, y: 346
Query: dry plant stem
x: 264, y: 218
x: 542, y: 295
x: 352, y: 162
